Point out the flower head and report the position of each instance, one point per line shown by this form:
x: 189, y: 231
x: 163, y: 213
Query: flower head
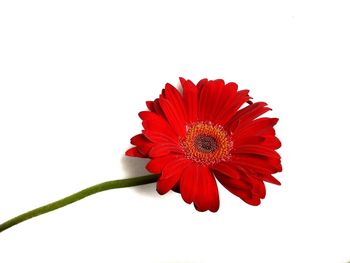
x: 211, y: 132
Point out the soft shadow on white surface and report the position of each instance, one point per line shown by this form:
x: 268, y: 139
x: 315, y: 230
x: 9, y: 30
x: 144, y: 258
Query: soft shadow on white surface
x: 133, y: 167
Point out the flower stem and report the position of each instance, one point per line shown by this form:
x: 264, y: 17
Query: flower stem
x: 78, y: 196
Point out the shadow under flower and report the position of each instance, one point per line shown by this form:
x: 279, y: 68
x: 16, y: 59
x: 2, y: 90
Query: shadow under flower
x: 134, y: 167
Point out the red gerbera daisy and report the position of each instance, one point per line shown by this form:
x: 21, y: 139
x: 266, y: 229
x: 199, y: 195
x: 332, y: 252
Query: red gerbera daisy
x: 207, y: 135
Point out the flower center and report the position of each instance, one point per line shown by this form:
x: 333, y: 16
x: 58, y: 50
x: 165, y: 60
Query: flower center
x: 206, y: 143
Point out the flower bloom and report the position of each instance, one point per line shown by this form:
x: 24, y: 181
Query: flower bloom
x: 211, y: 132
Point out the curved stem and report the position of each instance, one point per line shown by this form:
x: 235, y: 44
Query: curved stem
x: 78, y: 196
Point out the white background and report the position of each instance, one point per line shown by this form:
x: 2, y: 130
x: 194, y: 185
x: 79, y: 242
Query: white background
x: 74, y: 75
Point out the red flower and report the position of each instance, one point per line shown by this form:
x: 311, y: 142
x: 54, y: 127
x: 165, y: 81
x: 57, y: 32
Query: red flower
x: 207, y: 135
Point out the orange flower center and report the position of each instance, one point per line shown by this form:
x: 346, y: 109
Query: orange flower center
x: 206, y: 143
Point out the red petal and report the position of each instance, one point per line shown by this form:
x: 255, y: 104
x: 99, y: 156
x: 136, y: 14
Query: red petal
x: 139, y: 139
x: 249, y: 113
x: 150, y: 105
x: 247, y: 197
x: 161, y: 149
x: 239, y: 99
x: 175, y: 98
x: 201, y: 83
x: 156, y: 123
x: 207, y: 194
x: 175, y: 119
x: 227, y: 169
x: 258, y: 186
x: 258, y: 163
x: 157, y: 109
x: 188, y: 180
x: 156, y: 119
x: 159, y: 137
x: 211, y: 100
x: 171, y: 175
x: 133, y: 152
x: 257, y: 127
x: 267, y: 178
x: 204, y: 104
x: 241, y: 141
x: 156, y: 165
x: 158, y: 151
x: 241, y: 183
x: 198, y: 185
x: 243, y: 190
x: 142, y: 143
x: 190, y: 97
x: 229, y: 96
x: 232, y: 86
x: 271, y: 141
x: 259, y: 189
x: 225, y: 110
x: 257, y: 149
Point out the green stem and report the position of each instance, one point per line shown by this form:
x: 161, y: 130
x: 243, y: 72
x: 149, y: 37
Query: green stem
x: 78, y: 196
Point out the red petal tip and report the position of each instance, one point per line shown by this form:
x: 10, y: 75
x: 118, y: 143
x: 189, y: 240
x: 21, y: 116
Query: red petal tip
x: 133, y: 152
